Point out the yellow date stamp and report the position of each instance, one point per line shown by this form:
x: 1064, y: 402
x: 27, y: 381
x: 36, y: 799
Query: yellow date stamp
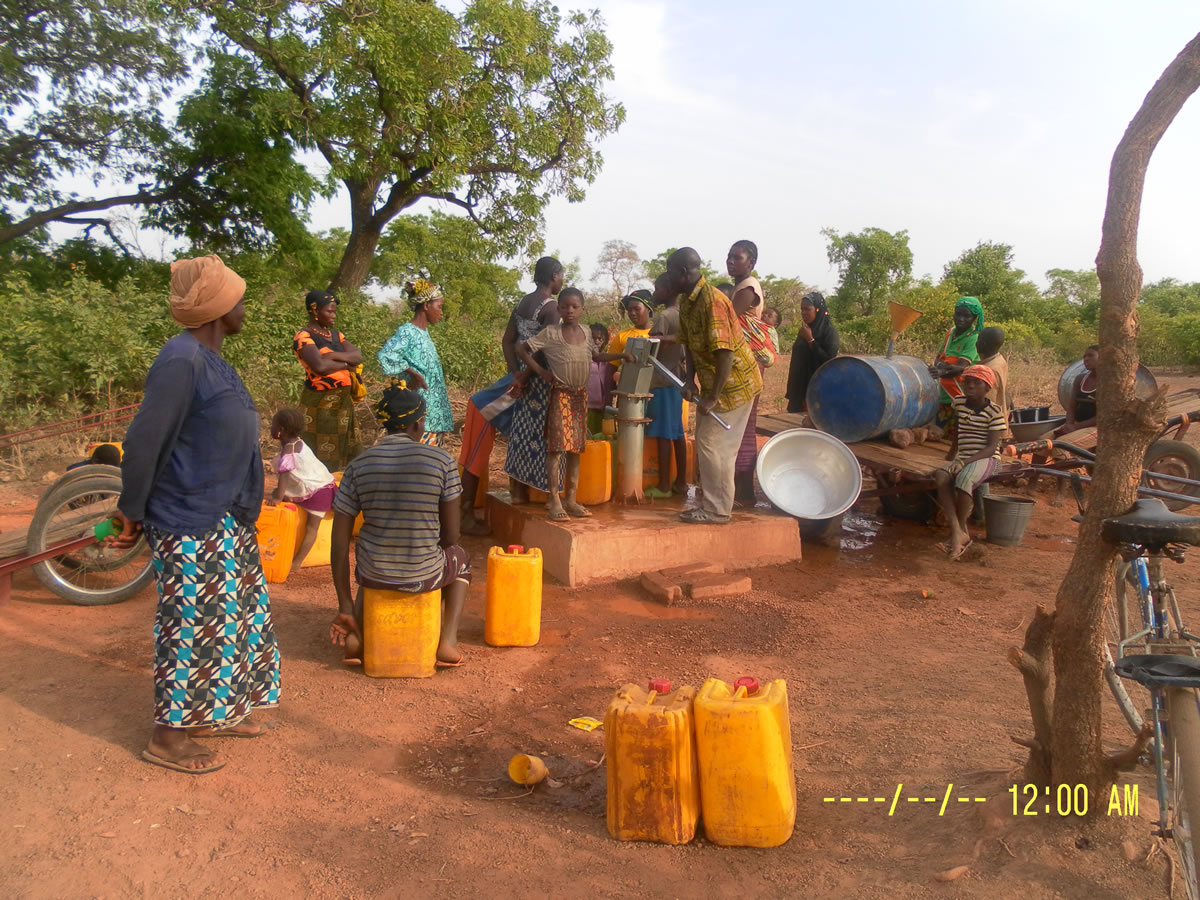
x: 1027, y: 800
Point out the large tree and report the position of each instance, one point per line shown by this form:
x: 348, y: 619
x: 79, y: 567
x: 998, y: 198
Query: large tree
x: 493, y: 110
x: 1066, y: 748
x: 618, y: 262
x: 986, y: 271
x: 870, y: 263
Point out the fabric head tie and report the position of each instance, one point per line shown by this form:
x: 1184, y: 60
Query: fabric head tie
x: 983, y: 373
x: 203, y: 289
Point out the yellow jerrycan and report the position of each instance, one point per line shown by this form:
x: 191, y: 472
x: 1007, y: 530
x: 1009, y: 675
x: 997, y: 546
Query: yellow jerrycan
x: 401, y: 633
x: 650, y: 749
x: 744, y: 746
x: 595, y: 473
x: 276, y: 528
x: 513, y: 614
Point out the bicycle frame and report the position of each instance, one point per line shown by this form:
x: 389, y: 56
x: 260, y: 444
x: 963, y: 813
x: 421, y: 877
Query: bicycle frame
x: 1158, y: 606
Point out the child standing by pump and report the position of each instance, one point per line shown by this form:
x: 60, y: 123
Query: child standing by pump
x: 569, y: 352
x: 601, y: 384
x: 666, y: 403
x: 302, y: 478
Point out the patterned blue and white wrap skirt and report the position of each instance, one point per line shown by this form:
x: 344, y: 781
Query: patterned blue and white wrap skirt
x: 215, y: 656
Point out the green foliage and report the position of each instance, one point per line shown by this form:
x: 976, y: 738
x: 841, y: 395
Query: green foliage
x: 470, y: 353
x: 871, y: 264
x: 460, y: 260
x: 986, y: 271
x: 494, y: 110
x: 80, y: 89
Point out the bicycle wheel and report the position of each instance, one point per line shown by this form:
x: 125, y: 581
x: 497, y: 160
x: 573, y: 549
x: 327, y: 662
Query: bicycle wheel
x: 1183, y: 777
x: 1123, y: 618
x: 1172, y: 458
x: 94, y: 575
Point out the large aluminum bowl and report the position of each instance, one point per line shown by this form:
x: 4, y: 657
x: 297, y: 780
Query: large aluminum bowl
x: 809, y: 474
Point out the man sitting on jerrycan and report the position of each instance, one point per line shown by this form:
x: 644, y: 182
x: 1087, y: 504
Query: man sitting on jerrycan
x: 408, y: 494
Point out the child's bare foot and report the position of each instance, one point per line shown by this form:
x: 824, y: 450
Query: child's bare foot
x: 576, y: 509
x: 449, y: 656
x: 557, y: 514
x: 354, y: 645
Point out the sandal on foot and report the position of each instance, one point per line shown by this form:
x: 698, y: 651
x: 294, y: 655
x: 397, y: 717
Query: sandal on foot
x: 263, y: 728
x: 441, y: 664
x: 558, y: 515
x: 700, y: 516
x: 176, y: 767
x: 657, y: 493
x: 961, y: 550
x: 578, y: 511
x: 944, y: 546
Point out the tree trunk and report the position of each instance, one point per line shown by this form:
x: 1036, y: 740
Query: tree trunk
x: 356, y: 260
x: 1126, y: 426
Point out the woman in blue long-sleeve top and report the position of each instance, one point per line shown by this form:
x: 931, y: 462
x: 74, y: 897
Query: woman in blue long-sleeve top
x: 192, y: 480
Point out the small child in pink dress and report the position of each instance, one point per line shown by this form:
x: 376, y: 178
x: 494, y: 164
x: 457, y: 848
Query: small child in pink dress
x: 303, y: 479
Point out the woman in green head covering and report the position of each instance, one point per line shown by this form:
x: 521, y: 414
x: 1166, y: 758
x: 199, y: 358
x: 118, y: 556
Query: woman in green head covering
x: 958, y: 352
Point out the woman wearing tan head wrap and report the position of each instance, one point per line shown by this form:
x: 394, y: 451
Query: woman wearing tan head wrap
x: 193, y: 483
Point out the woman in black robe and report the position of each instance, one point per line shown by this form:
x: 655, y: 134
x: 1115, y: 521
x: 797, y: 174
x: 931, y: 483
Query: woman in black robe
x: 816, y: 344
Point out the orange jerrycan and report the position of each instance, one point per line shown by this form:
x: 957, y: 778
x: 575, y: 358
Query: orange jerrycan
x: 595, y: 473
x: 650, y: 748
x: 400, y: 633
x: 319, y: 554
x: 513, y: 615
x: 650, y: 469
x: 744, y: 745
x: 276, y: 528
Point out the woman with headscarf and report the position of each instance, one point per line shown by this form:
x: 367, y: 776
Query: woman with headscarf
x: 747, y: 302
x: 192, y: 482
x: 411, y: 355
x: 408, y: 494
x: 329, y: 362
x: 639, y: 308
x: 958, y: 352
x: 816, y: 343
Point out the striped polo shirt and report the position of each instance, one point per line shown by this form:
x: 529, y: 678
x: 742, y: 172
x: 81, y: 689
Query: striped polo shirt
x: 398, y: 486
x: 976, y: 426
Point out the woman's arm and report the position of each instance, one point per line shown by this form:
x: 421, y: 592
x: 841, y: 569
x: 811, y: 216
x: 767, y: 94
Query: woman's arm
x: 322, y: 364
x: 526, y: 356
x: 508, y: 344
x: 827, y: 348
x: 349, y: 354
x: 151, y: 437
x: 395, y: 361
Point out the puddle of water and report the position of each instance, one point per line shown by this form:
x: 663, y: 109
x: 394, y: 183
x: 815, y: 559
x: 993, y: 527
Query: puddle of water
x: 859, y: 531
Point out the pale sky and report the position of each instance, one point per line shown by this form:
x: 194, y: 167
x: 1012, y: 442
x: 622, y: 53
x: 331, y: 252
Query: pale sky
x: 960, y: 122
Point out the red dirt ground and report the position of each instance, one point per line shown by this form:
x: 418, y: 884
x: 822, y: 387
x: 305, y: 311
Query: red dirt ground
x: 894, y: 659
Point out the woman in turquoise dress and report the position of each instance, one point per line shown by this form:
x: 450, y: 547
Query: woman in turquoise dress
x: 409, y: 354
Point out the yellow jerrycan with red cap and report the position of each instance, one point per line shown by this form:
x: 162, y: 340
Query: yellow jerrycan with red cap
x: 744, y: 749
x: 513, y: 613
x: 650, y: 753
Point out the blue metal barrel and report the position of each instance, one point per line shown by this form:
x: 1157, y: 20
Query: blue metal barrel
x: 856, y: 398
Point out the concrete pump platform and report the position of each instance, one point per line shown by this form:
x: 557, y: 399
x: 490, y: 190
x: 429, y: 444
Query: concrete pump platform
x: 621, y: 541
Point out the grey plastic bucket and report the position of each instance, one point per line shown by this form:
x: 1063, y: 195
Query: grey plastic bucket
x: 1006, y: 517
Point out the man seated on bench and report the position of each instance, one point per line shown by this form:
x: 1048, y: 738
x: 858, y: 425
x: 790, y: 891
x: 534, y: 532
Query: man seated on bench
x: 974, y: 454
x: 408, y: 493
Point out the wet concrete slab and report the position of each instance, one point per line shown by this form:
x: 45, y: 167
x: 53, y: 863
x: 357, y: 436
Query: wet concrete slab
x: 624, y: 541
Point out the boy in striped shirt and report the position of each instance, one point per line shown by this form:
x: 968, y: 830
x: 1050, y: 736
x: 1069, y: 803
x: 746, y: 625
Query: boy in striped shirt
x: 974, y: 454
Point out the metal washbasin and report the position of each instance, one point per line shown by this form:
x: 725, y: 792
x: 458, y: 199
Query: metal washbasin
x: 1031, y: 431
x: 809, y: 474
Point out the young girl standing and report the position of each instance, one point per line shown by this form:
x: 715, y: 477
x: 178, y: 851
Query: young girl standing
x: 569, y: 353
x: 303, y: 479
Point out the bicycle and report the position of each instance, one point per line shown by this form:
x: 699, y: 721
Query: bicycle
x: 1162, y: 657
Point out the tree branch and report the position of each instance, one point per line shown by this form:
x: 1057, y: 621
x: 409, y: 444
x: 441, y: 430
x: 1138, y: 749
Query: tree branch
x: 103, y: 223
x: 58, y: 213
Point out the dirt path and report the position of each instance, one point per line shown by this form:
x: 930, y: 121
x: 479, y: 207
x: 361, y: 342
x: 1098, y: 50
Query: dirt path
x: 376, y: 787
x: 895, y: 665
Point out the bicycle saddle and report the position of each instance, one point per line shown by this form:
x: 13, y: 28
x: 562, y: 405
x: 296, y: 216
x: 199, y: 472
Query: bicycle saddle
x: 1150, y: 523
x: 1160, y: 670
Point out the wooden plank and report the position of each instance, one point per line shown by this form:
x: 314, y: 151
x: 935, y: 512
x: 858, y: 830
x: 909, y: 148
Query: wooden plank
x: 1177, y: 404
